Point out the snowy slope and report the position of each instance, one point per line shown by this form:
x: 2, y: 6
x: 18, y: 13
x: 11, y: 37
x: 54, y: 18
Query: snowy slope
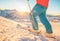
x: 10, y: 32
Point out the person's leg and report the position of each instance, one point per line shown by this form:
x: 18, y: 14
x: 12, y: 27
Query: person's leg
x: 45, y: 22
x: 34, y: 21
x: 35, y: 28
x: 35, y: 12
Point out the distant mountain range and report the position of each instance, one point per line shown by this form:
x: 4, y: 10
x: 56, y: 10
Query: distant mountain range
x: 13, y: 15
x: 53, y: 18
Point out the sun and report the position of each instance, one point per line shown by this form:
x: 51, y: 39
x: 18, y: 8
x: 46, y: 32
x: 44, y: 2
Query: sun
x: 22, y: 8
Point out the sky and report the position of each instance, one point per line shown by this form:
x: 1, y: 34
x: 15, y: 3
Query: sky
x: 21, y: 5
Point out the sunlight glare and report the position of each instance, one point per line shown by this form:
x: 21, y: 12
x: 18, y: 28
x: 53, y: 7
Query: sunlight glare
x: 22, y: 8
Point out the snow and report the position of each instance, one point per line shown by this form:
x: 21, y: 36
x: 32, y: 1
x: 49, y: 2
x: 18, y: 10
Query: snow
x: 10, y: 32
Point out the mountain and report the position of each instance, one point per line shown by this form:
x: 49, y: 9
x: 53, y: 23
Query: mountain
x: 53, y: 18
x: 23, y: 16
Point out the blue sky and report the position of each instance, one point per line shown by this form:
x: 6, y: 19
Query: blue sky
x: 21, y: 5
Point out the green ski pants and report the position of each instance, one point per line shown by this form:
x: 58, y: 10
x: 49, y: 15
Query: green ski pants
x: 40, y: 11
